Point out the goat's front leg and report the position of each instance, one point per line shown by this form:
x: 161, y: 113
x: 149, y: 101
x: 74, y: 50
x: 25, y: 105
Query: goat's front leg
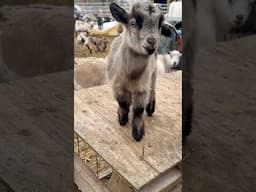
x: 140, y: 100
x: 150, y: 109
x: 88, y: 47
x: 124, y: 99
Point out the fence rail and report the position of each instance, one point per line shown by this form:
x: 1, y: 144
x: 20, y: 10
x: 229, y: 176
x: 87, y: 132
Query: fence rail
x: 102, y: 8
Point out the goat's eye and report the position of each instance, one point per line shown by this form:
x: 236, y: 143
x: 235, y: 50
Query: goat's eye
x: 133, y: 24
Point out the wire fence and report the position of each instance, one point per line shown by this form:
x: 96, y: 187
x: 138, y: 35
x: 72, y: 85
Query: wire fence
x: 102, y: 8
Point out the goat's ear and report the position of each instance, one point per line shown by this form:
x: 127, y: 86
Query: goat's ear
x: 166, y: 30
x: 119, y: 13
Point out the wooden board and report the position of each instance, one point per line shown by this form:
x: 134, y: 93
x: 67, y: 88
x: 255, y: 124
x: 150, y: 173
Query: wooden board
x: 36, y: 144
x: 116, y: 183
x: 96, y: 123
x: 85, y: 179
x: 177, y: 189
x: 167, y: 182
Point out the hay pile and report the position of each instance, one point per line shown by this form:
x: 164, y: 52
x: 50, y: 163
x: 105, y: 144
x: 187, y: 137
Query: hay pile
x: 96, y: 164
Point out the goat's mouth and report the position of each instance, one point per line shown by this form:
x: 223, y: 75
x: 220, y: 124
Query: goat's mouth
x: 150, y: 50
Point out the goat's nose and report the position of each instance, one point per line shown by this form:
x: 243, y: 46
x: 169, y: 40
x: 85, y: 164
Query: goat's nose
x: 151, y: 40
x: 239, y: 17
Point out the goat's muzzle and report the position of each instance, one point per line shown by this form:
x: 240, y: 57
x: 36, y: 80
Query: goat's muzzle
x: 150, y: 45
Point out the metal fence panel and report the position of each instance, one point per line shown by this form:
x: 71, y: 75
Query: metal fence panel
x: 102, y: 8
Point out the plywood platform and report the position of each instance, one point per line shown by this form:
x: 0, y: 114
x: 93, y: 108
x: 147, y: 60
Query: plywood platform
x: 137, y: 163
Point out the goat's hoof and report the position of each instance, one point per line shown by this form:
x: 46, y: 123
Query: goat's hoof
x: 122, y: 118
x: 150, y: 109
x: 138, y: 130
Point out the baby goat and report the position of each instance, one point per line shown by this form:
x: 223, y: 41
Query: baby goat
x: 84, y: 39
x: 131, y: 63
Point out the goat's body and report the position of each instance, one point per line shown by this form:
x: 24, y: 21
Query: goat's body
x: 85, y: 40
x: 126, y: 70
x: 131, y: 63
x: 99, y: 43
x: 132, y: 76
x: 81, y: 26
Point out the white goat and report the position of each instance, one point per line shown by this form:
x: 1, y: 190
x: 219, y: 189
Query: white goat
x: 84, y: 39
x: 168, y: 62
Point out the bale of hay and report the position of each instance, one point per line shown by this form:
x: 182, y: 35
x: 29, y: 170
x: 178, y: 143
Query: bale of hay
x: 89, y: 72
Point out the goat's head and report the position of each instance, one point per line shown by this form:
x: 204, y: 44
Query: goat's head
x: 240, y: 10
x: 175, y: 58
x: 142, y: 24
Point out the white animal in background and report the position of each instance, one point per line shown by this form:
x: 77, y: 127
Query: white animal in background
x: 163, y: 64
x: 175, y: 59
x: 81, y: 26
x: 84, y: 39
x: 99, y: 43
x: 168, y: 62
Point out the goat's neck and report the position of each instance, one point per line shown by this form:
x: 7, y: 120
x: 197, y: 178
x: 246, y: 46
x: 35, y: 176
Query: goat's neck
x: 134, y: 63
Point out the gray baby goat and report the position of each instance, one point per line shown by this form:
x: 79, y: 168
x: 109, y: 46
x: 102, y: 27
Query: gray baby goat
x: 131, y: 63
